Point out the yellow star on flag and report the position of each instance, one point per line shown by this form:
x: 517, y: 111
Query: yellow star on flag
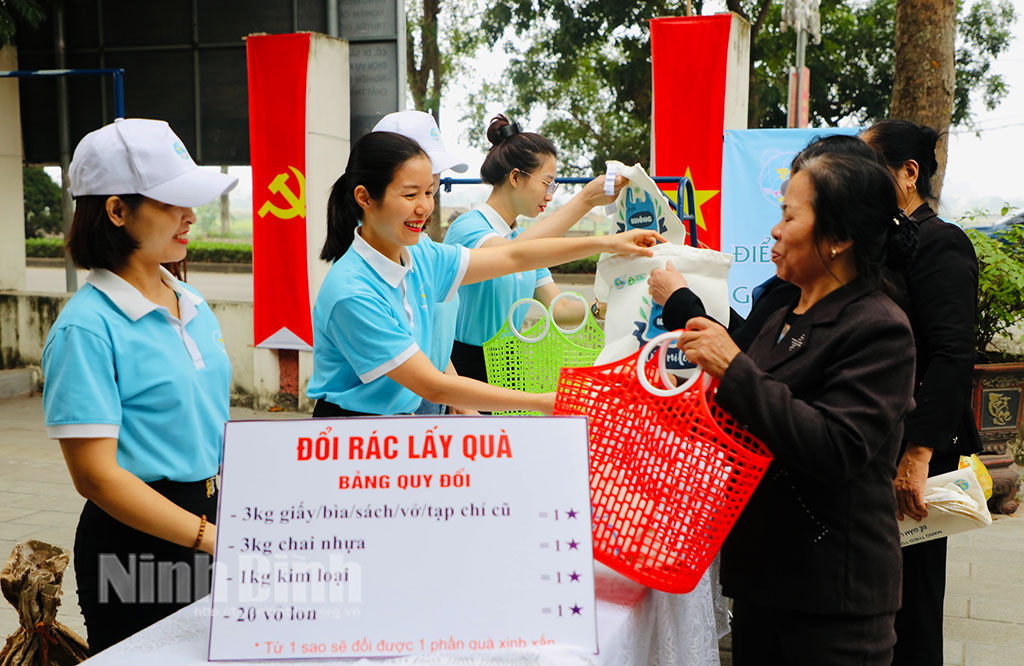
x: 700, y: 197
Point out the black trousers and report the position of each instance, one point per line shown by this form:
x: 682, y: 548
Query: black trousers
x: 919, y: 620
x: 469, y: 361
x: 325, y: 408
x: 127, y: 579
x: 765, y: 636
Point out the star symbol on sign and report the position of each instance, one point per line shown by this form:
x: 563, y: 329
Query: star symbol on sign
x: 575, y: 609
x: 700, y: 197
x: 573, y: 545
x: 574, y: 577
x: 571, y: 513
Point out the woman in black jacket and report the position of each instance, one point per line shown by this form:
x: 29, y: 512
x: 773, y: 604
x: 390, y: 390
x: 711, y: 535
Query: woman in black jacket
x: 812, y: 563
x: 939, y: 294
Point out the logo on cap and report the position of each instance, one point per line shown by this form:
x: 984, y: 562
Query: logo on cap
x: 434, y: 134
x: 180, y: 150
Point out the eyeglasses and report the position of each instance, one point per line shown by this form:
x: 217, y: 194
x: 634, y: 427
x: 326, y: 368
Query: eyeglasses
x: 550, y: 184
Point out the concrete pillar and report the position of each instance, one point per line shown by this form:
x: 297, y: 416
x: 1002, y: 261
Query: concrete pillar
x: 12, y: 195
x: 327, y: 146
x: 737, y: 75
x: 281, y: 373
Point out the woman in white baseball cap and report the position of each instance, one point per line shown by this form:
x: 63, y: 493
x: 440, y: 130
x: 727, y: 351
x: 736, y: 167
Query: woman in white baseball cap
x: 137, y: 381
x: 422, y: 128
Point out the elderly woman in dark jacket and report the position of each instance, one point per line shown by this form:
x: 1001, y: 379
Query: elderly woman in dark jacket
x: 813, y: 562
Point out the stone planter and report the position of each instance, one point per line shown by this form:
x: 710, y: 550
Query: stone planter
x: 998, y: 402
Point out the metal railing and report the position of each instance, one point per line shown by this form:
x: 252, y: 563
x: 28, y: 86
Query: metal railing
x: 684, y: 193
x: 117, y: 73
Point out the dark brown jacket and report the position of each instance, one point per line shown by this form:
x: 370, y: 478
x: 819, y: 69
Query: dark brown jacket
x: 819, y: 534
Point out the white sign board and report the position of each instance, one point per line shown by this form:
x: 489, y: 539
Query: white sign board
x: 404, y: 535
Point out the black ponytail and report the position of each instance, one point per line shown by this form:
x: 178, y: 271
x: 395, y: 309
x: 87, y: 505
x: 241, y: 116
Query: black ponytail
x: 372, y: 163
x: 902, y: 243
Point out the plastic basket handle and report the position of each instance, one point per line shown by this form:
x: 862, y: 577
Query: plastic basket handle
x: 515, y: 331
x: 569, y: 294
x: 662, y: 342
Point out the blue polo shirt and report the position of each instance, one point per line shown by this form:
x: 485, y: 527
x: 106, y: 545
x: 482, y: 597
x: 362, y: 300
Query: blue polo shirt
x: 443, y: 338
x: 118, y: 365
x: 372, y: 315
x: 484, y: 306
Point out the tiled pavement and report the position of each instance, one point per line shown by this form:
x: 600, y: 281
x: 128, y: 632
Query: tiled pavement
x: 37, y: 498
x: 985, y: 589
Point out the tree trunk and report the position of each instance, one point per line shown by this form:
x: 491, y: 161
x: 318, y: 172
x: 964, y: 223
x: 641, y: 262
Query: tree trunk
x: 225, y: 211
x: 426, y: 90
x: 925, y: 79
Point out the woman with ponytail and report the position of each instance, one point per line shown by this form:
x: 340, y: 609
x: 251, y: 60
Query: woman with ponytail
x: 373, y: 315
x: 812, y: 562
x: 939, y: 296
x: 520, y: 167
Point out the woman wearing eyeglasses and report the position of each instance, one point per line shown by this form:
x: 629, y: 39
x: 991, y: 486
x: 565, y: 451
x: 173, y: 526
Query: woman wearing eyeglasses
x: 520, y: 167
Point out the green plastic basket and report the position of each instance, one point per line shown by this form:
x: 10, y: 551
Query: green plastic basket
x: 530, y: 360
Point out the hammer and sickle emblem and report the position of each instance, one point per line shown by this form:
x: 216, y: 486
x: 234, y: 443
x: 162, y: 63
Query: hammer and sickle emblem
x: 297, y: 201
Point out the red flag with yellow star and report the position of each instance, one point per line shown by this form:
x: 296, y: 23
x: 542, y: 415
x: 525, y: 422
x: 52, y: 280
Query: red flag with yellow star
x: 693, y: 75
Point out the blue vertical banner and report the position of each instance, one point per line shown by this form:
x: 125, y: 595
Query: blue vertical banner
x: 755, y: 163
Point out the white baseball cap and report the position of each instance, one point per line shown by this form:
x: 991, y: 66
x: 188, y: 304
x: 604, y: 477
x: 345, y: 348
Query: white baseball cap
x: 421, y: 128
x: 140, y: 156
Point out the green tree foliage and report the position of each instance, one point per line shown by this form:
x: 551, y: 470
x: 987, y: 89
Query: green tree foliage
x: 198, y: 250
x: 585, y: 65
x: 983, y: 32
x: 1000, y: 283
x: 42, y: 203
x: 441, y: 36
x: 16, y: 14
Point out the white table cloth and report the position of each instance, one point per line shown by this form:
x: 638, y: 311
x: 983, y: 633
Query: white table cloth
x: 636, y: 626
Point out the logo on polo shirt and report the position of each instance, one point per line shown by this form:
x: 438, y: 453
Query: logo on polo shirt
x: 218, y: 341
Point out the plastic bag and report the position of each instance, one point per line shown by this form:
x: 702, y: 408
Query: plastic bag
x: 984, y: 478
x: 632, y: 319
x: 642, y: 205
x: 31, y: 581
x: 955, y: 504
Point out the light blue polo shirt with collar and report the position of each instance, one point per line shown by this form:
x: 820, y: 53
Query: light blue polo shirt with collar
x: 372, y: 315
x: 117, y: 365
x: 484, y: 306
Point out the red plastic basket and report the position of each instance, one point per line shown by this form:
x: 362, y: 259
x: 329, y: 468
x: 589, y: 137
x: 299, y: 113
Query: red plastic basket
x: 670, y: 471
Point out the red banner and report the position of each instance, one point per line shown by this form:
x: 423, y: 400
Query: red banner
x: 277, y: 145
x: 689, y: 61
